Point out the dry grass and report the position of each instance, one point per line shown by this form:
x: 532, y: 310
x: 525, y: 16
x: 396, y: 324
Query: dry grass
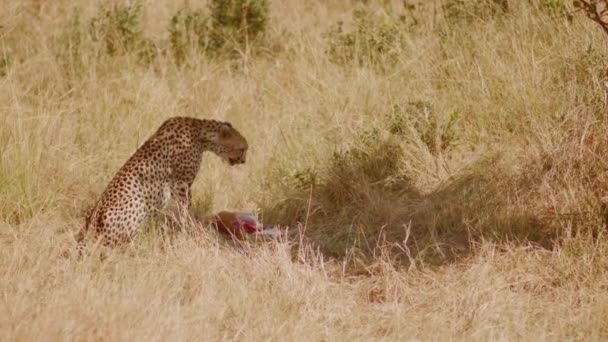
x: 405, y: 224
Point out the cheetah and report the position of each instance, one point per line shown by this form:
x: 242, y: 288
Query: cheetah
x: 164, y: 167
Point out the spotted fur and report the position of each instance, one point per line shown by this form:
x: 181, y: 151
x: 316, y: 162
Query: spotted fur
x: 164, y: 167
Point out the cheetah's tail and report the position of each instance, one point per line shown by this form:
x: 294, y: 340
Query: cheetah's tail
x: 81, y: 235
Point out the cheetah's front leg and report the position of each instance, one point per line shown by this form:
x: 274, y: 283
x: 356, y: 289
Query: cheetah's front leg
x: 182, y: 194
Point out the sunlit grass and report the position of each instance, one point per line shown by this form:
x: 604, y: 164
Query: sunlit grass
x: 455, y: 193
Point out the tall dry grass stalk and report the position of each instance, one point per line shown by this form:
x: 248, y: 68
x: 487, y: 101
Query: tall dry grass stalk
x: 442, y: 180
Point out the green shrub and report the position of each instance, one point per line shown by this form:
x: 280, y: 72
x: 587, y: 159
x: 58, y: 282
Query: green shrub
x: 304, y: 179
x: 118, y: 27
x: 189, y: 30
x: 237, y: 23
x: 457, y: 10
x: 419, y: 118
x: 228, y: 27
x: 554, y: 6
x: 375, y: 40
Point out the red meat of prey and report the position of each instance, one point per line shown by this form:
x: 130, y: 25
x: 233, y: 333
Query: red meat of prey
x: 236, y: 224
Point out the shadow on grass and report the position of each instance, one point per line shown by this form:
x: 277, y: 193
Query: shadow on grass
x: 361, y: 203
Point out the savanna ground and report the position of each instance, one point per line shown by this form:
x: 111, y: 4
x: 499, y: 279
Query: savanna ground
x: 441, y: 168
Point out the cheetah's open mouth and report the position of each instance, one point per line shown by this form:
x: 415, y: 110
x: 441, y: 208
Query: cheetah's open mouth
x: 234, y: 161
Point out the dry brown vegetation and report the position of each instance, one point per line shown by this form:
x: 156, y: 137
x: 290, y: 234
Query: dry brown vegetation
x: 441, y: 166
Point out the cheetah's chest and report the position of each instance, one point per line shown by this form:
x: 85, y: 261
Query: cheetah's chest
x: 186, y: 166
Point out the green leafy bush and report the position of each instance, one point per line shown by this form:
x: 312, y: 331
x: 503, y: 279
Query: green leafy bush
x: 189, y: 30
x: 118, y: 27
x: 457, y: 10
x: 375, y: 40
x: 238, y: 23
x: 555, y: 6
x: 228, y: 27
x: 419, y: 118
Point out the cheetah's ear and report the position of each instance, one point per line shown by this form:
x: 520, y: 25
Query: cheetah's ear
x: 225, y: 130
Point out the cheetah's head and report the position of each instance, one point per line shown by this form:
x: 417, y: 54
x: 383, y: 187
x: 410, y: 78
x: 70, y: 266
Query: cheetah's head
x: 229, y: 144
